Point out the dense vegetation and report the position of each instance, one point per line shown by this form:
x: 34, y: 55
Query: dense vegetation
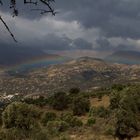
x: 57, y: 116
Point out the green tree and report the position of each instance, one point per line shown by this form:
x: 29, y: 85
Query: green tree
x: 115, y: 99
x: 74, y: 91
x: 126, y: 125
x: 80, y: 105
x: 71, y: 120
x: 127, y: 115
x: 48, y: 116
x: 59, y: 101
x: 20, y: 115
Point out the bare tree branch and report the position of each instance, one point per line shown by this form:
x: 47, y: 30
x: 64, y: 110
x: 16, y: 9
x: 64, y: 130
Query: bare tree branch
x: 42, y: 11
x: 6, y: 26
x: 1, y: 3
x: 15, y: 10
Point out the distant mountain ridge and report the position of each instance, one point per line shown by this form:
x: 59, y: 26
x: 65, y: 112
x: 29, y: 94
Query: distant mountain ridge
x: 125, y: 57
x: 86, y: 73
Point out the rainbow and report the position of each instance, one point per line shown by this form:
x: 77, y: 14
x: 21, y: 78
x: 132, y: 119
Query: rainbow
x: 37, y: 62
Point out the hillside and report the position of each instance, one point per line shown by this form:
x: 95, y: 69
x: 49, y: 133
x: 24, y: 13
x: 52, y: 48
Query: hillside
x: 85, y: 73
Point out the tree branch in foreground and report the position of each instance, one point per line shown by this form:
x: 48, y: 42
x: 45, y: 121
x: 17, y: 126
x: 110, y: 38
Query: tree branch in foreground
x: 15, y: 11
x: 6, y: 26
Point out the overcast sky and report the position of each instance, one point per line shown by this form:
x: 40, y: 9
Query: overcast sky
x: 80, y: 25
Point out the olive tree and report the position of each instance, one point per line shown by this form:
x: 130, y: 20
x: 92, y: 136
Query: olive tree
x: 20, y: 115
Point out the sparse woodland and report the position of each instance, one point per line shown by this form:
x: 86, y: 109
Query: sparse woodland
x: 101, y: 114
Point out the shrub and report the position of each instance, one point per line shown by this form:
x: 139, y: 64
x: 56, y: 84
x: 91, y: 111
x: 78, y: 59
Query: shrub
x: 12, y: 134
x: 109, y: 131
x: 48, y: 116
x: 99, y: 111
x: 56, y: 126
x: 20, y: 115
x: 102, y: 112
x: 127, y: 125
x: 41, y: 134
x: 19, y: 134
x: 41, y: 101
x: 75, y: 122
x: 63, y: 137
x: 114, y: 100
x: 59, y: 101
x: 91, y: 121
x: 118, y: 87
x: 74, y: 91
x: 80, y: 106
x: 127, y: 115
x: 71, y: 120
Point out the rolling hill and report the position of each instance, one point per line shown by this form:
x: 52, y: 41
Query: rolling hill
x: 86, y: 73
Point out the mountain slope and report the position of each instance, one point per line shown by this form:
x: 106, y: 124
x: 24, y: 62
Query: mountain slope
x: 86, y: 73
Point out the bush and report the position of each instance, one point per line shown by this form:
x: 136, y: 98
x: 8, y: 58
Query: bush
x: 91, y: 121
x: 39, y: 135
x: 20, y: 115
x: 59, y: 101
x: 75, y: 122
x: 12, y: 134
x: 71, y: 120
x: 109, y: 131
x: 118, y: 87
x: 55, y: 127
x: 127, y: 124
x: 63, y: 137
x: 127, y: 115
x: 80, y: 106
x: 41, y: 101
x: 74, y: 91
x: 48, y: 116
x: 98, y: 111
x: 114, y: 100
x: 19, y: 134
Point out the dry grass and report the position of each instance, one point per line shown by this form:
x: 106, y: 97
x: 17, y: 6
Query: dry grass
x: 105, y: 102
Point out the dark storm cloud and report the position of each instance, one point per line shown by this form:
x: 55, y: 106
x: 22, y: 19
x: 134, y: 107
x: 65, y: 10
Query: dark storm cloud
x: 54, y: 42
x: 14, y: 53
x: 11, y: 55
x: 78, y: 20
x: 80, y: 43
x: 103, y: 45
x: 116, y: 18
x: 119, y: 18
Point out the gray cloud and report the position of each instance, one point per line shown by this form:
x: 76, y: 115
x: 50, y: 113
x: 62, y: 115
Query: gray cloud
x: 80, y: 43
x: 103, y: 44
x: 116, y: 18
x: 11, y: 55
x: 119, y: 18
x: 55, y: 42
x: 101, y: 25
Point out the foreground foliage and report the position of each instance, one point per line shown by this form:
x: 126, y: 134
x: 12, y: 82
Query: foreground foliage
x: 73, y: 112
